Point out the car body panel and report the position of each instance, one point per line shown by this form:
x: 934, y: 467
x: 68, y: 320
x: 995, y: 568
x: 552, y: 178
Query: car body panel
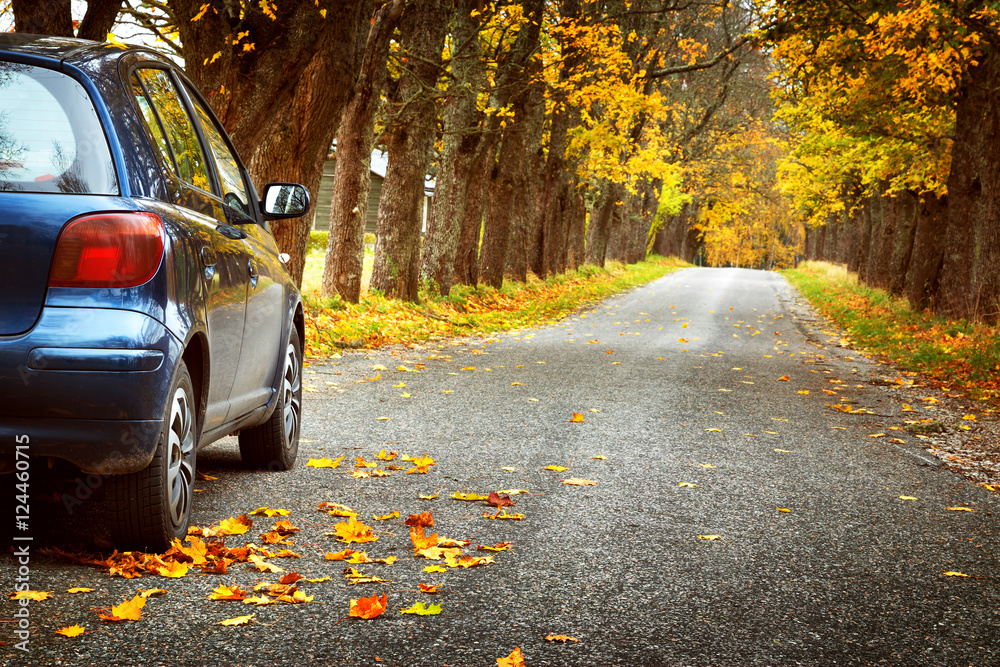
x: 85, y: 372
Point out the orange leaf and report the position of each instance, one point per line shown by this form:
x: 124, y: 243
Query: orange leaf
x: 354, y: 531
x: 577, y: 417
x: 784, y: 378
x: 424, y: 519
x: 71, y: 631
x: 560, y: 638
x: 369, y: 607
x: 421, y: 541
x: 233, y: 592
x: 515, y: 659
x: 126, y: 611
x: 498, y: 501
x: 427, y: 588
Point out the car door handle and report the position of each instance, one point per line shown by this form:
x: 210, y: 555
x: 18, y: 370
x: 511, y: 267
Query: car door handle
x: 208, y: 259
x: 254, y: 272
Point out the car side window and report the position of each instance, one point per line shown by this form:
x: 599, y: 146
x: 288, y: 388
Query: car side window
x: 153, y: 123
x: 177, y: 127
x: 234, y: 190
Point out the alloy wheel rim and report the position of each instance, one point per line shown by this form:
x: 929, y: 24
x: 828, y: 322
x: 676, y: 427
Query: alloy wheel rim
x: 291, y: 388
x: 180, y: 446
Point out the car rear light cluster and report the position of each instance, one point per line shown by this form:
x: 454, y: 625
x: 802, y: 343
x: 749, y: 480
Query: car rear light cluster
x: 108, y: 250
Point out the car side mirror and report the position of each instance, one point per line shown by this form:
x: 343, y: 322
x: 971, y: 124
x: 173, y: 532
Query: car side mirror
x: 284, y: 200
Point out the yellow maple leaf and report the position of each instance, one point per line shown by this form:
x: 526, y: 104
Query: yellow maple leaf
x: 954, y: 574
x: 130, y: 610
x: 783, y: 509
x: 515, y: 659
x: 233, y: 592
x: 354, y: 531
x: 239, y: 620
x: 467, y: 496
x: 907, y: 498
x: 260, y: 600
x: 71, y: 631
x: 556, y: 468
x: 435, y: 568
x: 427, y: 496
x: 171, y: 570
x: 324, y: 462
x: 37, y: 596
x: 961, y: 509
x: 262, y: 566
x: 386, y: 517
x: 81, y: 589
x: 710, y: 538
x: 576, y: 481
x: 686, y: 484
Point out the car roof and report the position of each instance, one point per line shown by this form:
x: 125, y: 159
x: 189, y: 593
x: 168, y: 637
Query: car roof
x: 68, y: 49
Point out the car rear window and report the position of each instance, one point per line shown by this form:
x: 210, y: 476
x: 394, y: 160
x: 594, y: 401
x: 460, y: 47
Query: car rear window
x: 51, y: 139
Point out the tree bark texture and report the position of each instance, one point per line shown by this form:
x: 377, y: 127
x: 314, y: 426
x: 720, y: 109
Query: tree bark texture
x: 462, y: 144
x: 602, y: 218
x: 516, y: 71
x: 410, y: 138
x: 345, y: 249
x: 522, y: 245
x: 970, y: 280
x: 54, y: 17
x: 470, y: 233
x: 281, y: 100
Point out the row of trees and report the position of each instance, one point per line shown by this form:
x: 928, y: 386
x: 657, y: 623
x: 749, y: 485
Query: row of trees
x: 559, y: 131
x: 893, y: 115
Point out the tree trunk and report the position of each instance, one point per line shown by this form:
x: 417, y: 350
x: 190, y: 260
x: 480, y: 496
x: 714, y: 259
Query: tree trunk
x: 410, y: 139
x: 282, y: 131
x: 43, y: 17
x: 467, y: 255
x: 515, y: 76
x: 54, y: 17
x: 345, y: 249
x: 970, y: 282
x: 462, y: 142
x: 522, y: 246
x: 924, y: 269
x: 601, y: 221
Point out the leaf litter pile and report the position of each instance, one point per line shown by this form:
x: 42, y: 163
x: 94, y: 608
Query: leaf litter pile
x: 282, y: 573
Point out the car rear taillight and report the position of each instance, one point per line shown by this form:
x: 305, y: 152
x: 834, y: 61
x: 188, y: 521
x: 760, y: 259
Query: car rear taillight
x: 108, y: 250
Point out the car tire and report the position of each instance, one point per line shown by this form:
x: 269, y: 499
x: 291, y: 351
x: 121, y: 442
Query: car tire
x: 149, y: 508
x: 274, y: 444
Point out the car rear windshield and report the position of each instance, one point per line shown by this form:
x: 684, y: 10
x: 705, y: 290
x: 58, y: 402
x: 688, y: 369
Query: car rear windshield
x: 51, y: 138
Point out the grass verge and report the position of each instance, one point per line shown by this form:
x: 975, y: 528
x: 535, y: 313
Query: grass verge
x: 956, y: 355
x: 332, y: 324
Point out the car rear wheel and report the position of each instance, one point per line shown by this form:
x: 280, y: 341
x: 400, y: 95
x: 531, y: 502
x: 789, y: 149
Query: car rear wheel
x: 274, y: 444
x: 149, y: 508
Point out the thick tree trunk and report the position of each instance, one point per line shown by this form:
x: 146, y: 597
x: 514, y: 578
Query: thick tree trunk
x: 282, y: 131
x: 43, y: 17
x: 924, y: 270
x: 54, y: 17
x: 345, y: 249
x: 462, y: 142
x: 410, y: 139
x: 516, y: 73
x: 467, y: 255
x: 970, y: 282
x: 601, y: 220
x: 530, y: 116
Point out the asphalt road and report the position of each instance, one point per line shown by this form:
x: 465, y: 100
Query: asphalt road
x: 706, y: 393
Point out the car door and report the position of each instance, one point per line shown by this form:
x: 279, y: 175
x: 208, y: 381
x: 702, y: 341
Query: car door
x: 219, y: 243
x: 263, y: 346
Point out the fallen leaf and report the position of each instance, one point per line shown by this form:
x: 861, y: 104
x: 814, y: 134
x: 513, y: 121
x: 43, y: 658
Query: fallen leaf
x: 560, y: 638
x: 498, y: 501
x: 424, y: 520
x: 81, y: 589
x: 962, y: 509
x: 368, y: 608
x: 261, y: 566
x: 686, y: 484
x: 783, y: 509
x: 239, y: 620
x: 324, y: 462
x: 907, y: 498
x: 499, y: 546
x: 290, y: 578
x: 422, y: 541
x: 515, y: 659
x: 130, y: 610
x: 152, y: 592
x: 556, y: 468
x: 435, y: 568
x: 577, y: 417
x: 386, y: 517
x: 233, y: 592
x: 260, y: 600
x: 783, y: 451
x: 710, y: 538
x: 71, y: 631
x: 706, y: 465
x: 600, y: 458
x: 954, y: 574
x: 352, y: 531
x: 783, y: 378
x: 503, y: 514
x: 419, y: 609
x: 37, y: 596
x: 714, y: 430
x: 467, y: 496
x: 576, y: 481
x: 467, y: 561
x: 427, y: 497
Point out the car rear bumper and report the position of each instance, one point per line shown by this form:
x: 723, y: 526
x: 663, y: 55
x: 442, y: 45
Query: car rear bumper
x: 87, y: 385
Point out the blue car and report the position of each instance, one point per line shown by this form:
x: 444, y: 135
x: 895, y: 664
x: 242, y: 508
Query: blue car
x: 145, y: 309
